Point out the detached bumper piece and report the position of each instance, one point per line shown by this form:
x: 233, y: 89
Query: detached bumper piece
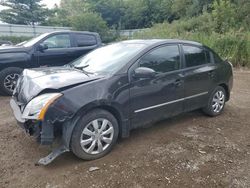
x: 42, y: 131
x: 51, y: 157
x: 17, y: 112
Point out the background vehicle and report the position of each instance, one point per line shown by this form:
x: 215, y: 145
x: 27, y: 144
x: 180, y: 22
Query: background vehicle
x: 5, y: 43
x: 117, y: 88
x: 49, y: 49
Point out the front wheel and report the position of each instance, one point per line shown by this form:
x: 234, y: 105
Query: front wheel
x: 216, y: 102
x: 94, y: 135
x: 8, y: 79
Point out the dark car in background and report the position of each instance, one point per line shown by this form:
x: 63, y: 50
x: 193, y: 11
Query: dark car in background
x: 117, y: 88
x: 49, y: 49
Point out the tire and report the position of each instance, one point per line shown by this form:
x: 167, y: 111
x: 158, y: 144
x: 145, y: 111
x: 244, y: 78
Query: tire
x: 86, y: 125
x: 216, y: 102
x: 9, y: 76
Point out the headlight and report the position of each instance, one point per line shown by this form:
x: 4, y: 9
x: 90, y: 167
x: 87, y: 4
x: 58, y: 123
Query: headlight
x: 38, y: 106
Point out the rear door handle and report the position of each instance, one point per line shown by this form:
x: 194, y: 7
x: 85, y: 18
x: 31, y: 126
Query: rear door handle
x: 211, y: 74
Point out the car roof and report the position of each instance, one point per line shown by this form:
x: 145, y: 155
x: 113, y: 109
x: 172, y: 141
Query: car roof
x: 150, y: 42
x: 69, y: 31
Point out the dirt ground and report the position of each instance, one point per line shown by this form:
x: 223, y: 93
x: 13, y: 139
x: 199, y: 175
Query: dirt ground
x: 191, y: 150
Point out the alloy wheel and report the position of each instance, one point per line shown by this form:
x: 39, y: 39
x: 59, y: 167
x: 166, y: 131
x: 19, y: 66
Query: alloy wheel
x: 218, y: 101
x: 10, y: 81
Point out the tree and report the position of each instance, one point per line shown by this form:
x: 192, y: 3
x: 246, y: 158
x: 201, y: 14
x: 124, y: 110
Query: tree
x: 91, y: 21
x: 74, y: 7
x: 62, y: 15
x: 224, y: 14
x: 243, y: 14
x: 111, y: 11
x: 136, y: 15
x: 28, y: 12
x: 221, y: 15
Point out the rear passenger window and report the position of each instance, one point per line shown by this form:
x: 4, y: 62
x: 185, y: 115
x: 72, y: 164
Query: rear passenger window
x: 85, y: 40
x: 163, y: 59
x: 217, y: 58
x: 195, y: 56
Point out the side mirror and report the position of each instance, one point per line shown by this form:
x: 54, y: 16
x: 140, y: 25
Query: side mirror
x: 42, y: 47
x: 144, y: 72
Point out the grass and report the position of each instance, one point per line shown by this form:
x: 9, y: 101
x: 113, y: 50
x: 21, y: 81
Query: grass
x: 233, y: 45
x: 15, y: 39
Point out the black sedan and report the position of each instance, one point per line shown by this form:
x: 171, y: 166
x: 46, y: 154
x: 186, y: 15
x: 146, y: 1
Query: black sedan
x: 114, y: 89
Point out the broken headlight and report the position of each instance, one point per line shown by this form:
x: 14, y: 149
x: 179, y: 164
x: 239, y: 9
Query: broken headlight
x: 38, y: 106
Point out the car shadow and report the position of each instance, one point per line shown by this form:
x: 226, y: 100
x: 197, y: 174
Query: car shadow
x: 69, y: 159
x: 166, y: 123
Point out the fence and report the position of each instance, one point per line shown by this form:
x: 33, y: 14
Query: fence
x: 31, y: 31
x: 27, y: 30
x: 130, y: 33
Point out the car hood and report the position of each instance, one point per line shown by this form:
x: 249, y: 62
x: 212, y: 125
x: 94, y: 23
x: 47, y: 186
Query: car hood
x: 35, y: 81
x: 8, y: 49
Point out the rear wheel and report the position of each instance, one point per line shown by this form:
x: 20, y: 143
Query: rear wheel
x: 8, y: 79
x: 216, y: 102
x: 94, y: 135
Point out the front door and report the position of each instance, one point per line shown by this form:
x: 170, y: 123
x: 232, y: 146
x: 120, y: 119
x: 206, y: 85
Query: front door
x: 59, y: 51
x: 152, y: 99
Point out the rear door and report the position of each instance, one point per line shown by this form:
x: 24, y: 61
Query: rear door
x: 84, y: 43
x: 199, y: 75
x: 152, y: 99
x: 60, y: 50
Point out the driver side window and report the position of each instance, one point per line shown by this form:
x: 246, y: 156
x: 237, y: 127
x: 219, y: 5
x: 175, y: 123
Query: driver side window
x: 163, y: 59
x: 58, y: 41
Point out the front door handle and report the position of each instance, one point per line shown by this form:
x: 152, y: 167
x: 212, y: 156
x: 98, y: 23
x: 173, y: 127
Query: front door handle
x: 178, y: 82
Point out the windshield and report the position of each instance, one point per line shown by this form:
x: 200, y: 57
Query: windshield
x: 108, y: 59
x: 34, y: 40
x: 21, y: 43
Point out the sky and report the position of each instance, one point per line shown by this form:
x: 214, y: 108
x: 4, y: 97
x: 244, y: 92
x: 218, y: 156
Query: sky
x: 51, y: 3
x: 48, y: 3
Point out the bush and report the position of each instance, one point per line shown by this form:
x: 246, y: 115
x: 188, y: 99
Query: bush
x: 90, y: 21
x: 233, y: 45
x: 14, y: 39
x: 224, y: 14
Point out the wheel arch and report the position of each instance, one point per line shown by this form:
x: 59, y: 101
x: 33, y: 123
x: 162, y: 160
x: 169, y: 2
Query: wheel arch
x: 69, y: 126
x: 115, y: 112
x: 225, y: 86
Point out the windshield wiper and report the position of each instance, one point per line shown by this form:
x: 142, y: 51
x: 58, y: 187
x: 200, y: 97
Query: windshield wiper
x: 82, y: 69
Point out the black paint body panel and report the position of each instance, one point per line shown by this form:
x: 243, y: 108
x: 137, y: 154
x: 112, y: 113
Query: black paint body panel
x: 31, y: 57
x: 135, y: 102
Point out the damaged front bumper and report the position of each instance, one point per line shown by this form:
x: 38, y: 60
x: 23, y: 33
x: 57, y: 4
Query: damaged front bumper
x: 30, y: 126
x: 17, y: 112
x: 42, y: 131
